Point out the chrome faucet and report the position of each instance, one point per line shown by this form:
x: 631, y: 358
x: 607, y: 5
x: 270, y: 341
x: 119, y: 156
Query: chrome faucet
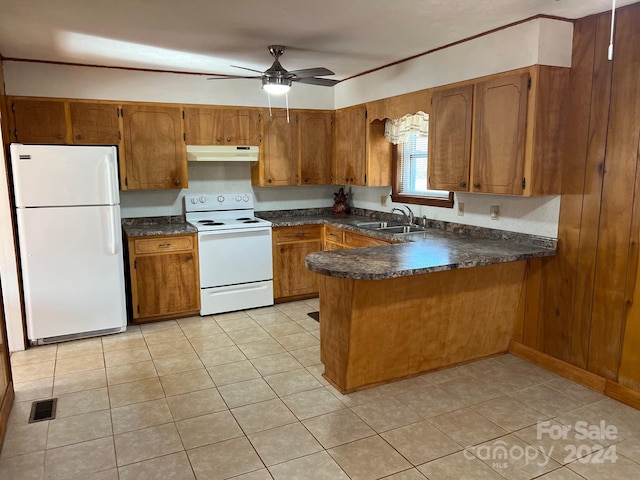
x: 408, y: 215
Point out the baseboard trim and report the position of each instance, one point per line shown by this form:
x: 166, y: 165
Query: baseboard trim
x: 579, y: 375
x: 622, y: 393
x: 564, y: 369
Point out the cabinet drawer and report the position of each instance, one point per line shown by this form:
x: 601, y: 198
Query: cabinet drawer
x: 333, y: 234
x: 297, y: 234
x: 163, y: 244
x: 355, y: 240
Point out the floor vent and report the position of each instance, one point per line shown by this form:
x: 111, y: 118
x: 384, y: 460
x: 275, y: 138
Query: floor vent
x: 42, y: 410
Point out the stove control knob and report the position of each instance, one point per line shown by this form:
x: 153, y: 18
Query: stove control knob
x: 246, y: 198
x: 203, y: 199
x: 238, y: 198
x: 194, y: 200
x: 220, y: 198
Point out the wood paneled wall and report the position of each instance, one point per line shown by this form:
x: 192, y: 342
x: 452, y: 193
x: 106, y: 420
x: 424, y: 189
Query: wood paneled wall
x: 583, y: 305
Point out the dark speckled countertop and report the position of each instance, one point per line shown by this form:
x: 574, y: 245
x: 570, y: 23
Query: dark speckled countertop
x: 157, y: 226
x: 441, y: 247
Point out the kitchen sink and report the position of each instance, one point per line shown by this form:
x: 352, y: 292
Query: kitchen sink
x: 401, y: 229
x: 378, y: 225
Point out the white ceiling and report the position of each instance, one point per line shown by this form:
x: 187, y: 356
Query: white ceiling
x: 207, y: 36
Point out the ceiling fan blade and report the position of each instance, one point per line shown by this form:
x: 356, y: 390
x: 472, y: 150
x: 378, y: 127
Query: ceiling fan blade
x: 229, y: 77
x: 324, y: 82
x: 250, y: 69
x: 311, y: 72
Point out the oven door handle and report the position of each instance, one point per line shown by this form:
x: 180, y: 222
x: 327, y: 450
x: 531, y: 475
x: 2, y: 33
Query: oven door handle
x: 212, y: 235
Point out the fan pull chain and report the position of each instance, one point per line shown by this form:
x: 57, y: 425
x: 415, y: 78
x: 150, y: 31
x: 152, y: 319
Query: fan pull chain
x: 270, y: 112
x: 613, y: 18
x: 286, y: 99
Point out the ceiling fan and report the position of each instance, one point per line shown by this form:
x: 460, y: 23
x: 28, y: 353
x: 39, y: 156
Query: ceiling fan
x: 277, y: 80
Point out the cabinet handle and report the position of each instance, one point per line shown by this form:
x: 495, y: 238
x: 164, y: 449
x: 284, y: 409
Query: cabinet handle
x: 306, y: 180
x: 269, y: 181
x: 351, y: 179
x: 219, y: 139
x: 79, y: 137
x: 346, y: 179
x: 177, y: 182
x: 164, y: 245
x: 281, y: 249
x: 463, y: 184
x: 228, y: 139
x: 188, y: 258
x: 476, y: 185
x: 60, y: 136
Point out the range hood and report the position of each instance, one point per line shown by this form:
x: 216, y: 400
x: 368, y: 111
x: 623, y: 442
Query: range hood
x: 222, y: 153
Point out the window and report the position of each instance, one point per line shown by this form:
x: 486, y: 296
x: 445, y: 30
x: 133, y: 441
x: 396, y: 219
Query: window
x: 410, y: 183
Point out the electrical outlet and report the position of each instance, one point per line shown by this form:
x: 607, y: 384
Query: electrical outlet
x: 383, y: 200
x: 494, y: 211
x: 460, y: 209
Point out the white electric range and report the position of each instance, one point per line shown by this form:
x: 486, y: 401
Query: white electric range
x: 236, y: 270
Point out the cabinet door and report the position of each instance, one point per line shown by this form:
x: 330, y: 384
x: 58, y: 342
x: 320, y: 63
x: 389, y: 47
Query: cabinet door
x: 94, y: 123
x: 155, y: 154
x: 450, y: 139
x: 241, y: 127
x: 203, y: 126
x: 351, y: 144
x: 39, y: 121
x: 166, y: 284
x: 280, y: 161
x: 499, y: 139
x: 315, y: 133
x: 291, y: 276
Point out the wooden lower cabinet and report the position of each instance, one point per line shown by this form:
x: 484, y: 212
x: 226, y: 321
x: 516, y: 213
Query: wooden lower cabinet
x: 336, y: 238
x: 164, y: 277
x: 291, y: 245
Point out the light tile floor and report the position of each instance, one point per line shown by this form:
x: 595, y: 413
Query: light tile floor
x: 241, y: 396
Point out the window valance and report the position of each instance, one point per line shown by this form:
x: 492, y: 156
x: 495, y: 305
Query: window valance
x: 396, y: 130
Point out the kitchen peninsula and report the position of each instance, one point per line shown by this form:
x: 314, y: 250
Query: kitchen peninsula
x: 393, y: 311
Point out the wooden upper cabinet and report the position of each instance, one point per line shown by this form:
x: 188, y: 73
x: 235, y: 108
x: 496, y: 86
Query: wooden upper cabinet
x: 350, y: 145
x: 39, y: 121
x: 278, y: 164
x: 154, y: 156
x: 450, y: 139
x: 499, y: 142
x: 315, y: 136
x: 94, y: 123
x: 218, y: 126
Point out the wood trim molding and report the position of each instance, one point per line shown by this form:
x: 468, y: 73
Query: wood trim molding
x: 5, y: 411
x: 622, y: 394
x: 564, y: 369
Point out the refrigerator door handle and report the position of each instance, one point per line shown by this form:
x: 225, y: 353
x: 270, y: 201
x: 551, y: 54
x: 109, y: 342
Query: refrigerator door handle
x: 111, y: 185
x: 113, y: 227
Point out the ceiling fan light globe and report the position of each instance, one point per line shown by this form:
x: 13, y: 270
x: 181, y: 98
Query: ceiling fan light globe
x: 276, y: 85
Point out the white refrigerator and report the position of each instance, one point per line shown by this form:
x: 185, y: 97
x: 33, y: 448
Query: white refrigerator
x: 70, y: 241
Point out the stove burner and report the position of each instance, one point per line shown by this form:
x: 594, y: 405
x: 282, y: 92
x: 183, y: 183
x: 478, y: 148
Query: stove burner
x: 251, y: 221
x: 243, y: 218
x: 210, y: 223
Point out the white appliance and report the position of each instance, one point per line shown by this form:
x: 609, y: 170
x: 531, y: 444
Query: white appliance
x: 234, y: 249
x: 70, y: 241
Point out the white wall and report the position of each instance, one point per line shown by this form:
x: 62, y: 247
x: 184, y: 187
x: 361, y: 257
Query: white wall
x: 8, y: 265
x: 207, y: 177
x: 534, y: 216
x: 541, y: 41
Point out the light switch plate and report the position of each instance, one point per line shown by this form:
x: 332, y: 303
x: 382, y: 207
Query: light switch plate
x: 494, y: 211
x: 383, y: 200
x: 460, y: 209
